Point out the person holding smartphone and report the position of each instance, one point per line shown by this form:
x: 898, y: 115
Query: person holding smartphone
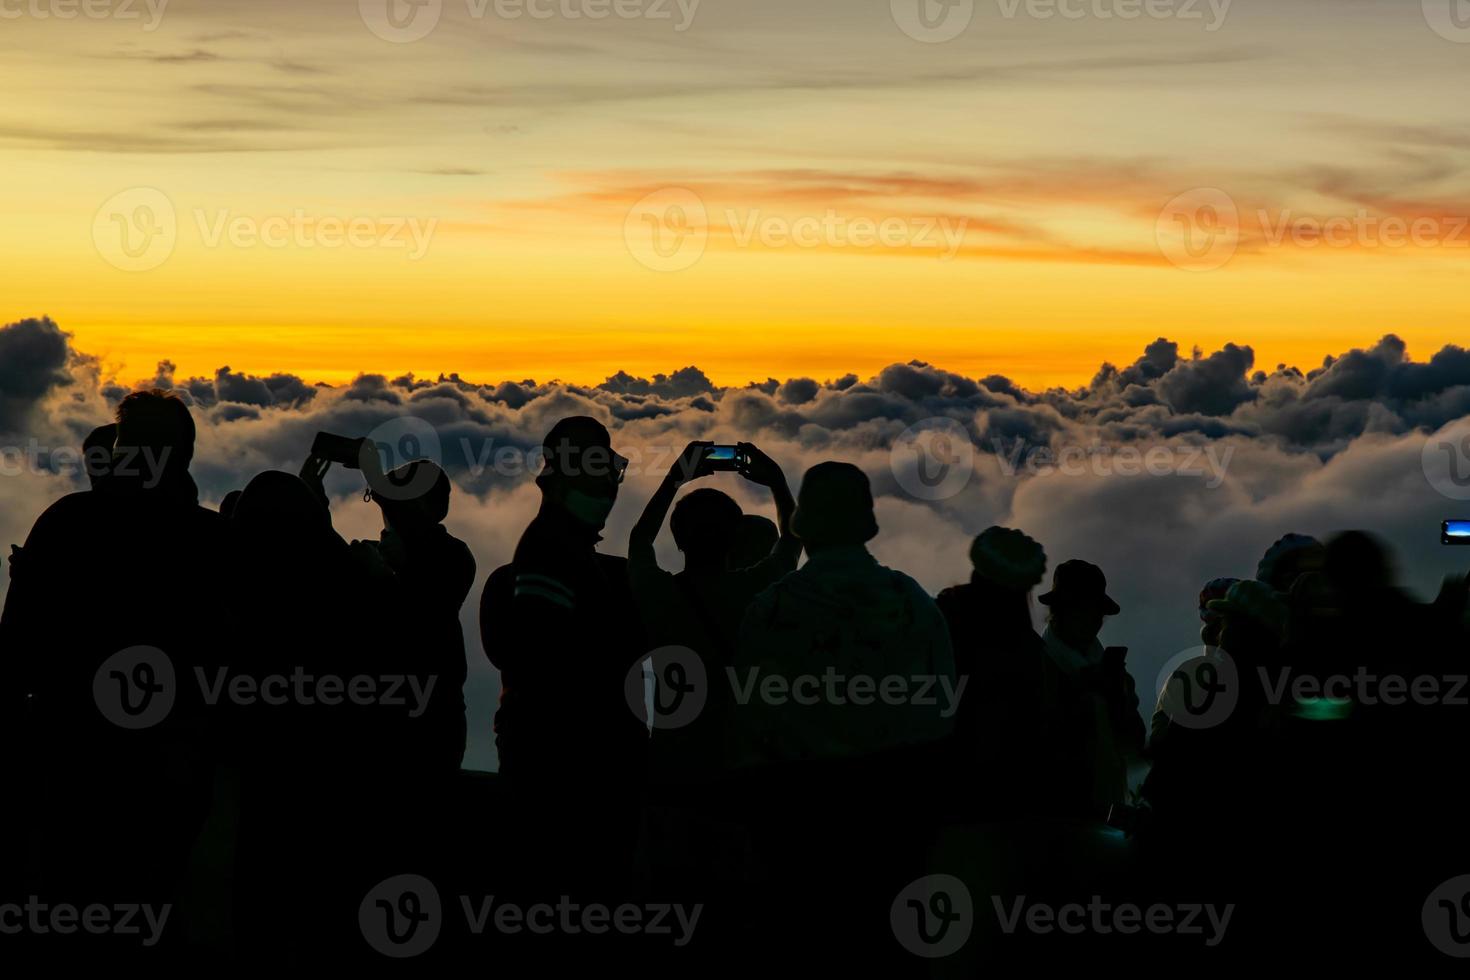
x: 700, y: 608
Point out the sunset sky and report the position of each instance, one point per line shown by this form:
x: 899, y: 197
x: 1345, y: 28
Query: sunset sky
x: 535, y: 158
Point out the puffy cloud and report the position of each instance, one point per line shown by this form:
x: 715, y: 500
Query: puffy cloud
x: 34, y: 356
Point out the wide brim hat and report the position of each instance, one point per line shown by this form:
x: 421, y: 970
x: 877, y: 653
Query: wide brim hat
x: 1076, y: 582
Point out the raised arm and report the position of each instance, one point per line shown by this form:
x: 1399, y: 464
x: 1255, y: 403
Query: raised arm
x: 761, y: 469
x: 689, y: 466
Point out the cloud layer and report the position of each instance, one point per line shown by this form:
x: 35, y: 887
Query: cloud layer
x: 1167, y: 471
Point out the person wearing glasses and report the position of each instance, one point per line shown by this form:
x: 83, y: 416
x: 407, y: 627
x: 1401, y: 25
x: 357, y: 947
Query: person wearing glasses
x: 558, y: 622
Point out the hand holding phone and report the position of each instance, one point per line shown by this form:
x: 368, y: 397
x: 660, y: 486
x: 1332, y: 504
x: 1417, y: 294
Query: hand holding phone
x: 338, y: 449
x: 757, y: 467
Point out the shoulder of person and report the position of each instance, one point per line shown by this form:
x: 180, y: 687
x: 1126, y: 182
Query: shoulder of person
x: 910, y: 587
x: 954, y: 595
x: 69, y: 510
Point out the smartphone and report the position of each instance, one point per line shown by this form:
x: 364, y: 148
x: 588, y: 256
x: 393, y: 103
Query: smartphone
x: 722, y: 458
x: 338, y: 449
x: 1454, y: 532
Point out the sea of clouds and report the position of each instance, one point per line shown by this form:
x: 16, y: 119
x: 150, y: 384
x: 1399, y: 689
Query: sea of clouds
x: 1167, y: 472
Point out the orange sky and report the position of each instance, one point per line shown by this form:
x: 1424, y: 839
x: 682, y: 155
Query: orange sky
x: 769, y: 191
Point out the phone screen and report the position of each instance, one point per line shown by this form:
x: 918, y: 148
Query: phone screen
x: 721, y: 454
x: 1455, y: 532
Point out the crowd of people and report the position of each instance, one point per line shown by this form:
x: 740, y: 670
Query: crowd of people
x: 785, y: 743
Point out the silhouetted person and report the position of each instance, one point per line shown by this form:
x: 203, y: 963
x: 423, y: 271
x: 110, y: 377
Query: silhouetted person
x: 845, y: 686
x: 701, y: 607
x: 312, y: 774
x: 1092, y: 724
x: 755, y: 538
x: 1203, y: 761
x: 1000, y: 657
x: 1211, y: 621
x: 435, y: 571
x: 558, y: 624
x: 844, y: 610
x: 689, y: 837
x: 116, y: 777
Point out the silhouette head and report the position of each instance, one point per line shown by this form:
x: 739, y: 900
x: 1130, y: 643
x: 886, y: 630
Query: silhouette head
x: 581, y: 472
x: 1357, y: 563
x: 97, y: 451
x: 229, y: 503
x: 1290, y: 556
x: 1078, y: 602
x: 1007, y: 558
x: 834, y: 508
x: 1253, y: 618
x: 755, y: 539
x: 705, y: 522
x: 420, y: 512
x: 154, y: 428
x: 1212, y: 620
x: 278, y: 510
